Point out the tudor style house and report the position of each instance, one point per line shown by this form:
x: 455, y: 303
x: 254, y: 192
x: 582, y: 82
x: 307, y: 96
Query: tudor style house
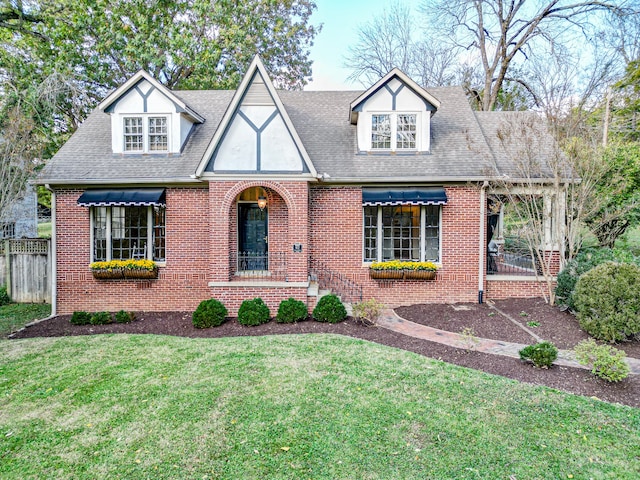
x: 277, y: 194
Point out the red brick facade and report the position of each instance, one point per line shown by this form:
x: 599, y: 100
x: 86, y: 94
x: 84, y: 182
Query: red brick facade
x: 326, y: 221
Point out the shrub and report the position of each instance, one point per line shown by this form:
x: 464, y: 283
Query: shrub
x: 80, y: 318
x: 125, y: 317
x: 329, y: 309
x: 606, y: 362
x: 607, y: 298
x: 367, y: 312
x: 585, y: 261
x: 101, y: 318
x: 291, y: 310
x: 253, y: 312
x: 5, y: 299
x: 210, y: 313
x: 542, y: 354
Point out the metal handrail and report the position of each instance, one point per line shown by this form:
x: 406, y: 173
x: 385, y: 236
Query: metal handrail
x: 338, y: 283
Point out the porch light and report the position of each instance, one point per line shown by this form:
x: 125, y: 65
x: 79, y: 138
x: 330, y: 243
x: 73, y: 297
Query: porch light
x: 262, y: 202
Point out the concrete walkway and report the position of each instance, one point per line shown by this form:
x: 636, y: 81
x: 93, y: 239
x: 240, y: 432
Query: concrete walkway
x: 390, y: 320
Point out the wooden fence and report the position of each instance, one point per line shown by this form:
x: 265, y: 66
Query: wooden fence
x: 25, y: 269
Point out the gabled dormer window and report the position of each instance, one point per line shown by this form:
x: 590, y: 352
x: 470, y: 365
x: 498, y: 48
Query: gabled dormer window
x: 393, y: 131
x: 144, y: 134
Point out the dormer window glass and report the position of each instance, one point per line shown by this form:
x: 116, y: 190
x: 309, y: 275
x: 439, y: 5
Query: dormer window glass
x: 133, y: 138
x: 394, y: 131
x: 146, y: 134
x: 158, y: 134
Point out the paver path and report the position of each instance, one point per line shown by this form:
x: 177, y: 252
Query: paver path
x: 390, y: 320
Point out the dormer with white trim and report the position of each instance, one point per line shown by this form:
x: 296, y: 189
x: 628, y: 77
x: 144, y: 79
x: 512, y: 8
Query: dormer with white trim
x: 394, y: 116
x: 147, y: 118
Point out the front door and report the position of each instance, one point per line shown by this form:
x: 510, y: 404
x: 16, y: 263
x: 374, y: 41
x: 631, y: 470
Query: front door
x: 253, y: 251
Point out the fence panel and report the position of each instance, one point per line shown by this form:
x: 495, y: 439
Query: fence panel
x: 26, y: 268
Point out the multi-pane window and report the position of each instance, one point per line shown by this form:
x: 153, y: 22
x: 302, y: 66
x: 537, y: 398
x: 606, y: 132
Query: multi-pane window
x: 146, y: 134
x: 380, y: 132
x: 133, y: 137
x: 402, y: 232
x: 406, y: 132
x: 120, y: 233
x: 158, y: 133
x: 7, y: 230
x: 394, y: 131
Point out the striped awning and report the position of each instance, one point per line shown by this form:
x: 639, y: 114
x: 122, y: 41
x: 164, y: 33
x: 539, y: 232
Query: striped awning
x: 130, y: 197
x: 407, y: 196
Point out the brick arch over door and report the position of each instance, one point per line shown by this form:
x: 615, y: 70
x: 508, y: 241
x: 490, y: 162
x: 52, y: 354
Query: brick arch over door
x: 222, y: 200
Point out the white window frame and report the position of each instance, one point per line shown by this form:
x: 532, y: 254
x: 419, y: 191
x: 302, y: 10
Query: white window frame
x: 109, y: 233
x: 393, y: 120
x: 146, y: 135
x: 422, y: 239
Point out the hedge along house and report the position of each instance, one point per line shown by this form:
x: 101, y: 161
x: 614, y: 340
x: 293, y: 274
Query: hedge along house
x: 277, y: 194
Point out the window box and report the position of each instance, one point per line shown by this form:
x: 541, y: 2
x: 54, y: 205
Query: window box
x: 397, y: 270
x: 118, y: 269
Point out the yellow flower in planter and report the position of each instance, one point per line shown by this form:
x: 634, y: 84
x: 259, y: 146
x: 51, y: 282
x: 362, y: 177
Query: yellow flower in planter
x: 400, y: 265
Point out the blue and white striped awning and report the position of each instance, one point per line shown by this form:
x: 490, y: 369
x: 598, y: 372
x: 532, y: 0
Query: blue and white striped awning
x: 129, y: 197
x: 372, y: 197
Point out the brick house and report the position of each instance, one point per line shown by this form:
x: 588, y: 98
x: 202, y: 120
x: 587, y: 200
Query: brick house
x: 259, y: 192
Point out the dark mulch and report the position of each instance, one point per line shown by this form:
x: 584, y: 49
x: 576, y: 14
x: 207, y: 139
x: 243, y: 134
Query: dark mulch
x: 477, y: 317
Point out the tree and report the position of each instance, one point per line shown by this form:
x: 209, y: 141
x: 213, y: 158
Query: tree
x: 185, y: 44
x: 501, y: 31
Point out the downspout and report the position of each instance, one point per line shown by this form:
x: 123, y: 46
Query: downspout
x: 482, y: 261
x: 53, y: 257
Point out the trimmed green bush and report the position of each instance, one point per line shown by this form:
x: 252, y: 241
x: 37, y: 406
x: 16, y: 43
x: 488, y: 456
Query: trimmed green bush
x: 80, y: 318
x: 291, y: 311
x: 253, y: 312
x: 607, y: 299
x: 101, y: 318
x: 5, y: 299
x: 542, y: 354
x: 606, y: 362
x: 585, y: 261
x: 125, y: 317
x: 329, y: 309
x: 210, y: 313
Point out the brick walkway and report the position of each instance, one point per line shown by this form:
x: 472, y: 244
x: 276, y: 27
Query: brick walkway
x: 390, y: 320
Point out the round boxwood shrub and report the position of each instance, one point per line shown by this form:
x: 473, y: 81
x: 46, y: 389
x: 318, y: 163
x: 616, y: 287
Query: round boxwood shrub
x: 253, y: 312
x: 101, y: 318
x: 585, y: 261
x: 291, y: 311
x: 329, y: 309
x: 607, y: 299
x: 542, y: 354
x: 605, y: 361
x: 210, y: 313
x: 5, y: 299
x: 80, y: 318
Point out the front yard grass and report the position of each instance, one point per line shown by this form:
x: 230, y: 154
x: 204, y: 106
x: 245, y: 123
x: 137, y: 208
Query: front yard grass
x: 299, y: 406
x: 16, y: 315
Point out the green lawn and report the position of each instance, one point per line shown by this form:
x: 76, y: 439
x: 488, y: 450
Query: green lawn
x: 289, y: 407
x: 16, y: 315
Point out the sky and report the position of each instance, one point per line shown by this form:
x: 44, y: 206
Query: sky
x: 340, y: 19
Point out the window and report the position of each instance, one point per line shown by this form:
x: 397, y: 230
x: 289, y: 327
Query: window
x: 7, y: 230
x: 146, y: 134
x: 120, y: 233
x: 402, y: 232
x: 397, y: 131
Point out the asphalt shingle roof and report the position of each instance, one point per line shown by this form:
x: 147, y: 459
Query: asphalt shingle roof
x: 461, y: 145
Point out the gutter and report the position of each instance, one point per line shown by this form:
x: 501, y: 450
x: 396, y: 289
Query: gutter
x: 482, y: 261
x: 53, y: 258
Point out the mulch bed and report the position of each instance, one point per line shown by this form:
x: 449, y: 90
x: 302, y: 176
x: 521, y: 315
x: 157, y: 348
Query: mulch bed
x: 554, y: 325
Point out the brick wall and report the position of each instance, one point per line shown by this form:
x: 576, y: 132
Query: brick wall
x: 182, y: 283
x: 336, y: 240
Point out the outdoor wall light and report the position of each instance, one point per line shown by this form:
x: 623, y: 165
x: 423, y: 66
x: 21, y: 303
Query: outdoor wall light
x: 262, y: 202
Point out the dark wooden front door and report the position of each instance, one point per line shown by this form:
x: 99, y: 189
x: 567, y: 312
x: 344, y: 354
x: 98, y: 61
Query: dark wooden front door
x: 253, y: 247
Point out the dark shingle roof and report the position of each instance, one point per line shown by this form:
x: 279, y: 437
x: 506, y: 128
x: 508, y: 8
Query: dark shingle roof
x: 459, y: 148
